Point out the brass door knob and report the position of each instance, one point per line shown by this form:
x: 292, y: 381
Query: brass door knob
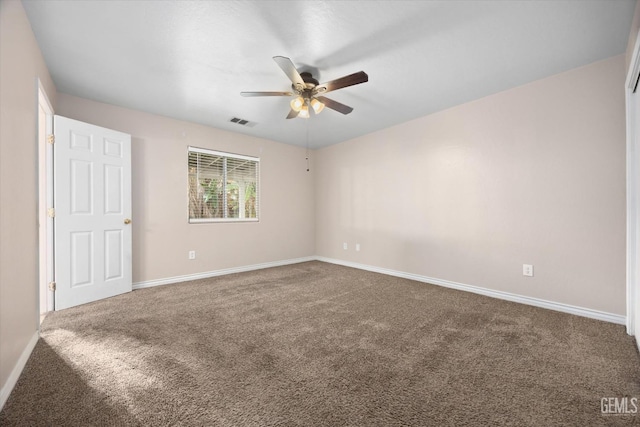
x: 127, y: 221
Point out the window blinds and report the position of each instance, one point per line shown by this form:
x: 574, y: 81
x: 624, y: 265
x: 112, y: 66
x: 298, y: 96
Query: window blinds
x: 222, y: 186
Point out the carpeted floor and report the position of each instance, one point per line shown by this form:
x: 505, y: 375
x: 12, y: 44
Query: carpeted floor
x: 318, y: 344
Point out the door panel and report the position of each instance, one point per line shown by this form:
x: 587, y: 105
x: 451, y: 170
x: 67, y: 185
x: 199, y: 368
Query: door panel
x: 92, y: 167
x: 81, y: 187
x: 81, y: 258
x: 113, y: 190
x: 114, y: 254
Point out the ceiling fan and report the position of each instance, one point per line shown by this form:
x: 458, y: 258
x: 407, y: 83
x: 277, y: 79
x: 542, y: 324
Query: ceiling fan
x: 308, y: 92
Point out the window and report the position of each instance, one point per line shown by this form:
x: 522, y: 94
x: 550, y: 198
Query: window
x: 222, y: 186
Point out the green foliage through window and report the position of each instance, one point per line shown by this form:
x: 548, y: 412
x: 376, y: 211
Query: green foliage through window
x: 222, y: 186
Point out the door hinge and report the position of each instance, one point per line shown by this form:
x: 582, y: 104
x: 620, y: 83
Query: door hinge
x: 51, y: 139
x: 51, y: 212
x: 52, y: 286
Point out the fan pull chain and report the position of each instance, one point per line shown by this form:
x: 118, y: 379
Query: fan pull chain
x: 308, y: 145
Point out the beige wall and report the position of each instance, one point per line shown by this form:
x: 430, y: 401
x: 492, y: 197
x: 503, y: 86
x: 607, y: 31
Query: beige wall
x: 161, y: 234
x: 21, y: 64
x: 533, y: 175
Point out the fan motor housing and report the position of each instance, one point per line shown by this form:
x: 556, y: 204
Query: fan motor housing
x: 308, y: 79
x: 309, y: 82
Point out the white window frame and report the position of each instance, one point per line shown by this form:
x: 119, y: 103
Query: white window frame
x: 229, y: 156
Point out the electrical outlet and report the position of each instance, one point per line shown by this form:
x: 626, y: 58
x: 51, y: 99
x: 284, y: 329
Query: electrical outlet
x: 345, y: 246
x: 527, y: 270
x: 192, y: 254
x: 357, y: 247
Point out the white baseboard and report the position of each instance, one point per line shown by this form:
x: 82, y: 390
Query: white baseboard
x: 565, y: 308
x: 207, y: 274
x: 536, y: 302
x: 7, y: 388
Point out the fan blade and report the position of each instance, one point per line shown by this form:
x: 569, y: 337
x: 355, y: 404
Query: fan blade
x: 266, y: 93
x: 350, y: 80
x: 290, y: 70
x: 293, y: 114
x: 334, y: 105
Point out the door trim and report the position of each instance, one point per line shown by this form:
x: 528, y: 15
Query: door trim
x: 45, y: 200
x: 632, y: 188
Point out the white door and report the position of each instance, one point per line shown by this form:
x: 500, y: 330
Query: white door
x: 92, y: 199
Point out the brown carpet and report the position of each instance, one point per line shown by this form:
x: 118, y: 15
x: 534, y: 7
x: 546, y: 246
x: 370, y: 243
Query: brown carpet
x: 318, y: 344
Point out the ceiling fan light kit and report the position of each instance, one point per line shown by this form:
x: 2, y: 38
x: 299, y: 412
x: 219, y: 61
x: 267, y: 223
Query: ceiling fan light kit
x: 297, y: 103
x: 304, y: 112
x: 300, y: 106
x: 317, y: 106
x: 307, y: 90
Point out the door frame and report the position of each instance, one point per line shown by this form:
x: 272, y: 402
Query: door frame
x: 45, y: 201
x: 633, y: 201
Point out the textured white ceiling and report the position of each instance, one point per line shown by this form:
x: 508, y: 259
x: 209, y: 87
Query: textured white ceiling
x: 191, y: 59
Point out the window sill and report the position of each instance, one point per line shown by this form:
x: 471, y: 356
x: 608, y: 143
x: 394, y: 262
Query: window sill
x: 219, y: 220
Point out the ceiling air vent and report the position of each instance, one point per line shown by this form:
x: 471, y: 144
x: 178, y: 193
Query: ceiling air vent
x: 243, y: 122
